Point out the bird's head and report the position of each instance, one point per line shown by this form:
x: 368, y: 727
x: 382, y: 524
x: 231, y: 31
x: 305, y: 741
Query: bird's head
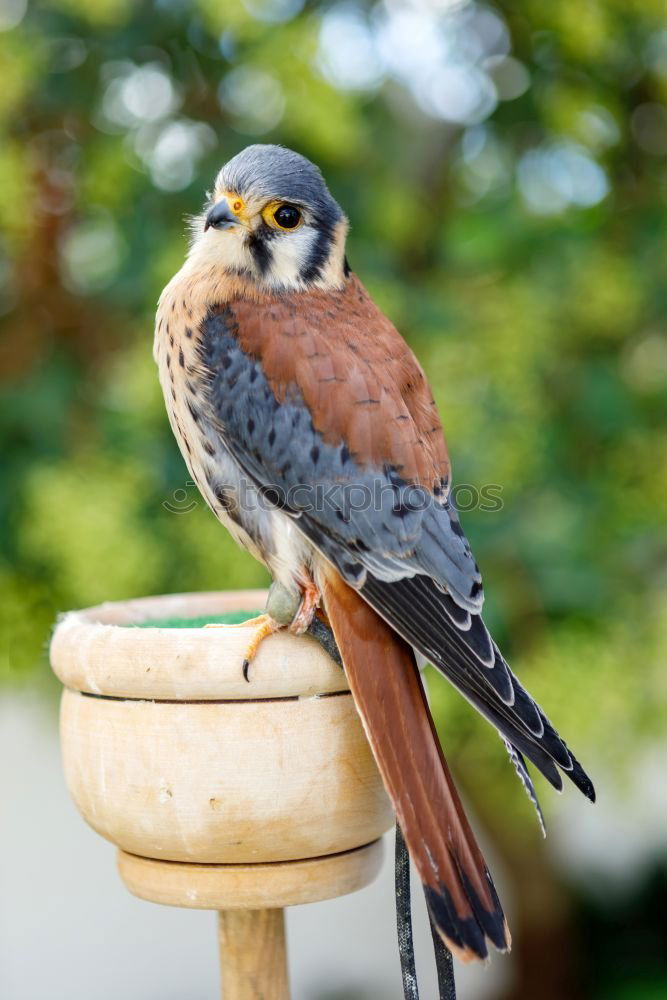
x: 272, y: 220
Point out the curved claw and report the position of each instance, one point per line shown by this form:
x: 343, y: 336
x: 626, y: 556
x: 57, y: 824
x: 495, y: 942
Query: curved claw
x: 265, y: 625
x: 296, y: 611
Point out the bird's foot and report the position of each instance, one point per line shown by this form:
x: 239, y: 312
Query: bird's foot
x: 293, y: 610
x: 283, y: 609
x: 297, y: 613
x: 265, y: 626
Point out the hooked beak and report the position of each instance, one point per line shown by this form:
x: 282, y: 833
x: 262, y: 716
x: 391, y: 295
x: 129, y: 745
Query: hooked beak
x: 221, y: 217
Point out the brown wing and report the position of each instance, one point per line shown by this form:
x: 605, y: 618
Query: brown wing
x: 293, y: 400
x: 359, y: 379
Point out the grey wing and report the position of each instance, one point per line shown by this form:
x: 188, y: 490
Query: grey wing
x: 389, y: 528
x: 402, y: 549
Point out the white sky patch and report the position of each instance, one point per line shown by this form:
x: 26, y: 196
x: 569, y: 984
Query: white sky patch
x: 484, y: 160
x: 254, y: 98
x: 138, y: 94
x: 437, y: 50
x: 142, y: 101
x: 510, y: 77
x: 349, y: 56
x: 558, y: 176
x: 461, y: 94
x: 431, y: 6
x: 172, y: 151
x: 12, y: 13
x: 90, y: 255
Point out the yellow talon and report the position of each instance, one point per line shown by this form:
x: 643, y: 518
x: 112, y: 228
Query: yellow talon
x: 264, y: 626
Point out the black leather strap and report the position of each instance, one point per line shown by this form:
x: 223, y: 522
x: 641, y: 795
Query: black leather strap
x: 406, y: 950
x: 444, y: 966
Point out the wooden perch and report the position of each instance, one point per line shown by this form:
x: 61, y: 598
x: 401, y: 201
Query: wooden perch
x: 242, y: 797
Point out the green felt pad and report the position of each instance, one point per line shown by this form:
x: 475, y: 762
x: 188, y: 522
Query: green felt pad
x: 229, y: 618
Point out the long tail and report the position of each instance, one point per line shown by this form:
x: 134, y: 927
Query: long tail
x: 384, y: 680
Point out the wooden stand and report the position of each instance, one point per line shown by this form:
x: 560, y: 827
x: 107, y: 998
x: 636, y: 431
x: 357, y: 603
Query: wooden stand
x: 241, y: 797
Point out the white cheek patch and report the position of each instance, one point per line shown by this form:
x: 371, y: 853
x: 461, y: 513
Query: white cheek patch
x: 229, y: 249
x: 290, y: 253
x: 226, y: 250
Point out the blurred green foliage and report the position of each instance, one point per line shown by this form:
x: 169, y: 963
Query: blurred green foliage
x: 504, y: 173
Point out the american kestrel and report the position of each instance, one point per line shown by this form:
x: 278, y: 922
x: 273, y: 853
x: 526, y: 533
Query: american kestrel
x: 310, y: 429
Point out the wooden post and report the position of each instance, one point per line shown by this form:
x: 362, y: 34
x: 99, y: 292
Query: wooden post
x: 253, y: 956
x: 220, y: 794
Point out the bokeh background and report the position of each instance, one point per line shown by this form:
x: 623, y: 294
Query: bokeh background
x: 504, y: 169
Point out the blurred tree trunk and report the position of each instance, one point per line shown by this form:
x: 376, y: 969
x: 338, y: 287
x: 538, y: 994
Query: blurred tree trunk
x: 546, y: 954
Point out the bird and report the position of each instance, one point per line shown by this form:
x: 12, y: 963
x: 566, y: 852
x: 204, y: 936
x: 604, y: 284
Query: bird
x: 309, y: 428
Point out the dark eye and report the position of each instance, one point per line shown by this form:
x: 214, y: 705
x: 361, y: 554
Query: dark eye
x: 287, y: 216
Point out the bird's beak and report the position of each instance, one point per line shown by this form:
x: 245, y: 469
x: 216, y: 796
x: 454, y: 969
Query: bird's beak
x: 221, y: 216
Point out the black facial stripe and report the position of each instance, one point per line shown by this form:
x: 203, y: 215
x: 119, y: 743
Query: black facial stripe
x: 258, y: 244
x: 319, y: 253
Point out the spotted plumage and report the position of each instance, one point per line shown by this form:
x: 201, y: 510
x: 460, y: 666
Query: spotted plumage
x: 310, y: 429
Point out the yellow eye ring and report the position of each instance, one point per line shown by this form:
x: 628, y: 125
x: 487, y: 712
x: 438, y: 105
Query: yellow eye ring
x: 237, y: 206
x: 282, y: 215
